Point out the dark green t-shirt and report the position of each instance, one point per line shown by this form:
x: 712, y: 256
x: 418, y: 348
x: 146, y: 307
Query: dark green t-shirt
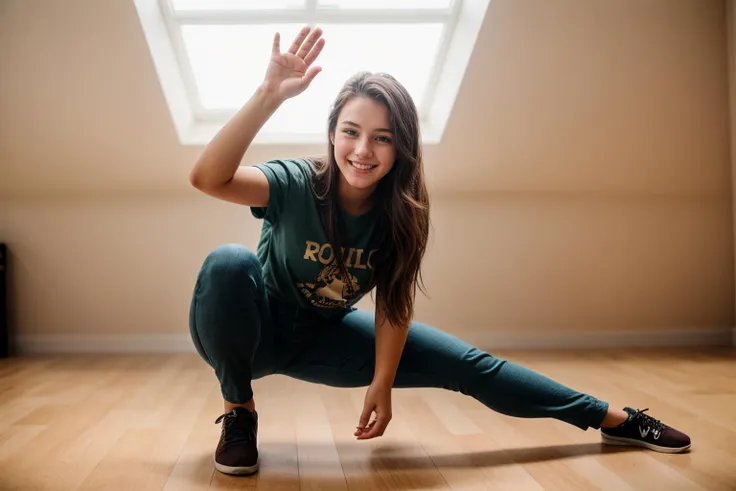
x: 299, y: 264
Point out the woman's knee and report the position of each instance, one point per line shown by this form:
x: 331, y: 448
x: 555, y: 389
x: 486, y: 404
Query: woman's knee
x: 228, y: 298
x: 232, y: 263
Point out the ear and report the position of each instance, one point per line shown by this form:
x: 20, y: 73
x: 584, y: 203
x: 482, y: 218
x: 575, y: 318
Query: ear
x: 332, y: 138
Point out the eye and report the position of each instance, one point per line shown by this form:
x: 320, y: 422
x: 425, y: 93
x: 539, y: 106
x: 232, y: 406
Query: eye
x: 350, y: 132
x: 384, y: 139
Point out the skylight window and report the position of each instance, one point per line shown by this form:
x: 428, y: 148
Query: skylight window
x: 211, y: 55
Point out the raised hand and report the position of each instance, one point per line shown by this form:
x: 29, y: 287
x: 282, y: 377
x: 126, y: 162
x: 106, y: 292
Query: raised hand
x: 290, y: 73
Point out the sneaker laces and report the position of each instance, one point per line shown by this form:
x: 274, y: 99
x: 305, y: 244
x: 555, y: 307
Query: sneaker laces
x: 237, y: 428
x: 647, y: 420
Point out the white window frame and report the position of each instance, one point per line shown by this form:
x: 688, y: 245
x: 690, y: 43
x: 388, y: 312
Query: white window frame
x: 196, y: 125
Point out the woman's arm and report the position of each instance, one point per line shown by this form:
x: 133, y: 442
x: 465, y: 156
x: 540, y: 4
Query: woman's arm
x: 390, y: 342
x: 217, y: 172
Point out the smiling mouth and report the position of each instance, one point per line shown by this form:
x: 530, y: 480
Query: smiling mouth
x: 362, y: 167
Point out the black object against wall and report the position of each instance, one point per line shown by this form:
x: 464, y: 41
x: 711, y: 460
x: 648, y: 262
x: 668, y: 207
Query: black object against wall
x: 4, y: 323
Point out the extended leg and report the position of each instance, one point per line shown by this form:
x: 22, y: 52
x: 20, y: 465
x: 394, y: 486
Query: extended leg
x: 345, y: 355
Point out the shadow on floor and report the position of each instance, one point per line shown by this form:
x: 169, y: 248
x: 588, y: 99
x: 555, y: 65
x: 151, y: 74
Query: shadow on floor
x: 395, y: 467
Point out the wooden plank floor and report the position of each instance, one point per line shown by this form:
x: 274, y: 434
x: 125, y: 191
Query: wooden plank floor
x: 146, y: 422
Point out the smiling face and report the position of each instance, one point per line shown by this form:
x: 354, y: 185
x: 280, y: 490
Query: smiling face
x: 364, y: 145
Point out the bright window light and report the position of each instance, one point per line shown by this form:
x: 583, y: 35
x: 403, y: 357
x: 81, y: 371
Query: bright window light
x: 234, y: 4
x: 211, y: 55
x: 225, y: 78
x: 387, y: 4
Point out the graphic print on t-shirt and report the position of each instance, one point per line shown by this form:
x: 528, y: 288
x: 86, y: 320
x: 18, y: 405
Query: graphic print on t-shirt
x: 331, y: 289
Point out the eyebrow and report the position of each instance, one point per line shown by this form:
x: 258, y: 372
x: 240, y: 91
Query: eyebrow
x: 350, y: 123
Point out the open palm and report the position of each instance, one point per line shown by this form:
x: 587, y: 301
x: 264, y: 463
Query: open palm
x: 290, y: 73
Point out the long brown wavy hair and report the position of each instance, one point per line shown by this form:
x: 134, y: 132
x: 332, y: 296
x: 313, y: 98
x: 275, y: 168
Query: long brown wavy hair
x: 402, y: 193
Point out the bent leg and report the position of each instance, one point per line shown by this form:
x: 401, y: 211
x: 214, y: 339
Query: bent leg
x: 344, y: 356
x: 228, y: 320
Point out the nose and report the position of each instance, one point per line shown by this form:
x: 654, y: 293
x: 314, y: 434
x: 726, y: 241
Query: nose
x: 363, y: 148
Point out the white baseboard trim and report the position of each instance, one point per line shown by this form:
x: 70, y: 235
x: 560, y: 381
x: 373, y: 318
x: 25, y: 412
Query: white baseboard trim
x: 716, y: 337
x: 104, y: 343
x: 182, y: 343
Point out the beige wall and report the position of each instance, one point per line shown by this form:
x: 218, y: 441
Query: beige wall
x: 509, y: 263
x: 584, y: 182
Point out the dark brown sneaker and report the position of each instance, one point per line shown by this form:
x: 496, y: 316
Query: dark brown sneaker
x: 644, y: 431
x: 237, y: 452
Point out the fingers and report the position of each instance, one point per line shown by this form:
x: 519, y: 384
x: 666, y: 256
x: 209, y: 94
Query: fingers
x: 363, y: 428
x: 314, y: 53
x: 276, y: 49
x: 365, y: 416
x: 309, y: 76
x: 310, y: 42
x: 307, y: 48
x: 375, y: 429
x: 299, y: 39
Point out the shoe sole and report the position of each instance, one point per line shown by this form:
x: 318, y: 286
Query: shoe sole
x: 617, y: 440
x: 236, y: 471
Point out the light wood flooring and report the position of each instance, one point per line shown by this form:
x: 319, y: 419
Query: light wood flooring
x: 146, y: 422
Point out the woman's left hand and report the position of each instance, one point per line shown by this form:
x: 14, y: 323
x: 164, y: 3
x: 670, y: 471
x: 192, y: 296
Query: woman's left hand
x: 378, y: 400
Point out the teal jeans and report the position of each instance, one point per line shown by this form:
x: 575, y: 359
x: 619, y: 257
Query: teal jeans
x: 245, y: 334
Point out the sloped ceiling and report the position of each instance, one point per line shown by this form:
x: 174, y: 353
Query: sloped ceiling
x: 565, y: 96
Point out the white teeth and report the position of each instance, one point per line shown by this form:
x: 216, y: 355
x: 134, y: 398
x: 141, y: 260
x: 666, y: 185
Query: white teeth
x: 361, y: 166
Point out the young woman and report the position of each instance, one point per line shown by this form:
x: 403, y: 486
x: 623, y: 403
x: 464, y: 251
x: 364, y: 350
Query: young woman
x: 333, y: 230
